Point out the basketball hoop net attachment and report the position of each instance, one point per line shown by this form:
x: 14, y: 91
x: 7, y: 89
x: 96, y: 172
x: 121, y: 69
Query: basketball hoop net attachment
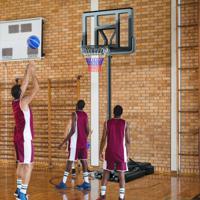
x: 94, y: 57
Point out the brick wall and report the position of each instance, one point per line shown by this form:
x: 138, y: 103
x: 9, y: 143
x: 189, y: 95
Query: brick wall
x: 62, y: 37
x: 189, y: 86
x: 140, y: 82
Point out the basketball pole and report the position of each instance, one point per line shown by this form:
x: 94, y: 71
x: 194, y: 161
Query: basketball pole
x: 94, y: 96
x: 109, y: 92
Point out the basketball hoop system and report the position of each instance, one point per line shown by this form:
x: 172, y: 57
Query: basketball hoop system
x: 106, y: 32
x: 94, y: 56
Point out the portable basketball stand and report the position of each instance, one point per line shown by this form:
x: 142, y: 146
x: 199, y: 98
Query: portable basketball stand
x: 114, y: 42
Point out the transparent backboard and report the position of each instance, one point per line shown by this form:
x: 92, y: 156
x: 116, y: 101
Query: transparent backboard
x: 111, y: 28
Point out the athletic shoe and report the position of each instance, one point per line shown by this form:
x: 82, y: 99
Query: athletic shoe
x: 16, y: 194
x: 121, y: 198
x: 23, y: 196
x: 61, y: 186
x: 102, y: 197
x: 84, y: 186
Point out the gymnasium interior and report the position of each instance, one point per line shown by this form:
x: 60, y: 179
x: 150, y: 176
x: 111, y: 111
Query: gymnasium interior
x: 156, y: 81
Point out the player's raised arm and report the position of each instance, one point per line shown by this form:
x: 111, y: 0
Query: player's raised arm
x: 26, y: 79
x: 25, y: 101
x: 103, y: 140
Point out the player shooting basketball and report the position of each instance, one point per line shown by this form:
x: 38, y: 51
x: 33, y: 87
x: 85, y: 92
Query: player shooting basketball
x: 23, y: 132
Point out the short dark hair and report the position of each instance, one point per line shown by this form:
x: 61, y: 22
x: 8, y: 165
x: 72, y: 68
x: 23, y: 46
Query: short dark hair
x: 16, y: 90
x: 80, y: 104
x: 117, y: 111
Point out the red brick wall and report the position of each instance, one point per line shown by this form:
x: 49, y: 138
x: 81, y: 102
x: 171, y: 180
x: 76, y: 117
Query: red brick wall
x: 62, y: 38
x: 189, y: 79
x: 140, y: 81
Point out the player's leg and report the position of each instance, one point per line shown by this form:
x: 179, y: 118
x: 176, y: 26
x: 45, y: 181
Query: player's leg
x: 19, y: 174
x: 27, y: 169
x: 108, y: 166
x: 62, y: 184
x: 86, y: 183
x: 121, y: 168
x: 121, y: 185
x: 19, y: 171
x: 104, y: 182
x: 26, y: 160
x: 71, y: 159
x: 82, y: 156
x: 85, y: 171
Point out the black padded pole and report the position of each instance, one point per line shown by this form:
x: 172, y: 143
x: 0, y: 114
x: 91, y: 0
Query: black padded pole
x: 109, y: 87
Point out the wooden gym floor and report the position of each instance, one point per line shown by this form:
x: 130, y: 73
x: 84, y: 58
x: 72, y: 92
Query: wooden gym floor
x: 152, y: 187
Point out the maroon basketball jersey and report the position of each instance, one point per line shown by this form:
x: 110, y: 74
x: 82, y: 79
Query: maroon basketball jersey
x: 116, y: 149
x: 82, y: 121
x: 23, y: 123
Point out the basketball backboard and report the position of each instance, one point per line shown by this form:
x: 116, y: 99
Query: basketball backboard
x: 111, y: 28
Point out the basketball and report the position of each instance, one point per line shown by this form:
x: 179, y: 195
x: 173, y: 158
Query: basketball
x: 33, y: 42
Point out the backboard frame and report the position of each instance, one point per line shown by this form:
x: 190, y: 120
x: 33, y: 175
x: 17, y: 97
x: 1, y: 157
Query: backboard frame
x: 99, y: 30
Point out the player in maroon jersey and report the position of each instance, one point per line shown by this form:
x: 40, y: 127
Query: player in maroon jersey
x: 23, y: 132
x: 77, y: 145
x: 116, y: 134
